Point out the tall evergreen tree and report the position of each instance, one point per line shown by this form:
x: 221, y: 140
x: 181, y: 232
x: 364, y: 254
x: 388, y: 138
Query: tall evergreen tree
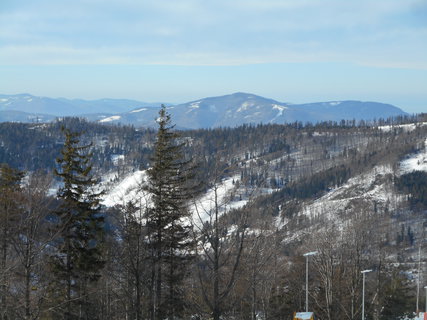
x: 169, y: 230
x: 78, y: 259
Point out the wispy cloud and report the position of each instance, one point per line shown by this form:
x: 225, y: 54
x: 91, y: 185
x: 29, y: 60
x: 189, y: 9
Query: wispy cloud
x: 221, y: 32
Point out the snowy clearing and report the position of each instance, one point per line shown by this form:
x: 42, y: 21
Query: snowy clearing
x: 203, y: 208
x: 416, y: 162
x: 129, y: 189
x: 368, y: 187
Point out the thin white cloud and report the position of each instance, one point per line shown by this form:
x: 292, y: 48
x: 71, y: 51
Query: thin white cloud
x: 56, y: 55
x: 221, y: 32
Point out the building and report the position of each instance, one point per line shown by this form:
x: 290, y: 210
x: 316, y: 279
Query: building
x: 303, y: 316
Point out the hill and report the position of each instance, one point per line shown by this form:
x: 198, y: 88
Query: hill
x: 225, y: 111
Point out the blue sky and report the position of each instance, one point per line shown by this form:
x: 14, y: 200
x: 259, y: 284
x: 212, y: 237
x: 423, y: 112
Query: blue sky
x: 179, y: 50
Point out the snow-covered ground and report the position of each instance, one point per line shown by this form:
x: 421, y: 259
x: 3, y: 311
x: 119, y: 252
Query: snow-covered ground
x: 130, y: 189
x: 371, y: 187
x: 421, y: 316
x: 280, y: 111
x: 109, y: 119
x: 365, y: 187
x: 203, y: 208
x: 245, y: 106
x: 415, y: 162
x: 405, y: 127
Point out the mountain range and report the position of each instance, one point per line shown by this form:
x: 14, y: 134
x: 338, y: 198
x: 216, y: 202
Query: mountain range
x: 223, y: 111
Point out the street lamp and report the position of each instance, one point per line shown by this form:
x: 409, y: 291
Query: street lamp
x: 363, y: 293
x: 426, y: 297
x: 306, y: 255
x: 418, y: 278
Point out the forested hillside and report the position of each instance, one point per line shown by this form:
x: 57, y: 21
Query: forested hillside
x: 213, y: 224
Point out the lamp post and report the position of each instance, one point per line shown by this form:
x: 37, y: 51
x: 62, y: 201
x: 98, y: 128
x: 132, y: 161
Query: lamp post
x: 363, y: 293
x: 418, y: 279
x: 306, y: 255
x: 426, y: 298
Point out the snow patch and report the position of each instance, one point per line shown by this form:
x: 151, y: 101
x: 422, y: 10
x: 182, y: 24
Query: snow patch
x: 109, y: 119
x: 334, y: 103
x: 139, y: 110
x: 406, y: 127
x: 202, y: 209
x: 280, y: 113
x: 129, y: 189
x: 117, y: 158
x: 245, y: 105
x: 193, y: 106
x: 279, y: 107
x: 416, y: 162
x: 39, y: 126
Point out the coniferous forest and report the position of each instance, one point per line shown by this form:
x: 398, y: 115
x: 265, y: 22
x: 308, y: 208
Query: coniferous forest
x: 165, y: 255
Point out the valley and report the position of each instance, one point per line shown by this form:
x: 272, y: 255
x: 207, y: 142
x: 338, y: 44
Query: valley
x: 269, y: 192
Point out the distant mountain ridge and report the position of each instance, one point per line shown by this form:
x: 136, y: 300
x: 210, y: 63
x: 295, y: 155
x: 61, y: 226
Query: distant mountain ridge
x: 67, y: 107
x: 245, y: 108
x: 223, y: 111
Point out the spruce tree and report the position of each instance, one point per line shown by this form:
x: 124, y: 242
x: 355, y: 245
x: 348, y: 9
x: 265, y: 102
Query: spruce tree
x: 168, y: 225
x: 78, y: 259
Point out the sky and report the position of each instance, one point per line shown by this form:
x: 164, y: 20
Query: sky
x: 175, y: 51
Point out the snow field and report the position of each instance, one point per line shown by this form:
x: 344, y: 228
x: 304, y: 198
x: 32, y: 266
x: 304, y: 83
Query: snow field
x: 202, y: 209
x: 415, y: 162
x: 129, y: 189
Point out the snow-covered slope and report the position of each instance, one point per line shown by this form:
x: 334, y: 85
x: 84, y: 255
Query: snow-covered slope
x: 368, y: 188
x: 130, y: 188
x: 221, y: 195
x: 415, y: 162
x: 371, y: 191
